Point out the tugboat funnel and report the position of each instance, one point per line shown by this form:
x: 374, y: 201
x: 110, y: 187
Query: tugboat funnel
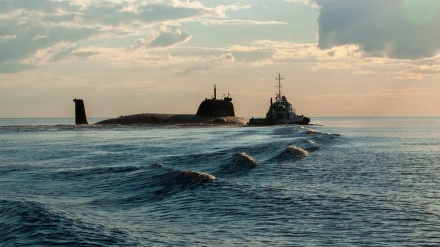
x: 80, y: 112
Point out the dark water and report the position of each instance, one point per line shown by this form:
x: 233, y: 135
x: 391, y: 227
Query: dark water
x: 350, y: 182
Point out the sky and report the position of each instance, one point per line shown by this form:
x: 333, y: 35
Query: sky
x: 339, y: 58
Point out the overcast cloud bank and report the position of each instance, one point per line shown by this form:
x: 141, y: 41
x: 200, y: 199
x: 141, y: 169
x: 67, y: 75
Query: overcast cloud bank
x: 401, y: 29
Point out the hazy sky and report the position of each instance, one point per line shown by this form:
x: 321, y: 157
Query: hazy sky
x: 339, y: 57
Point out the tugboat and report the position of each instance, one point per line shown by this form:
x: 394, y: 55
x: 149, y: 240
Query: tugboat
x: 280, y: 112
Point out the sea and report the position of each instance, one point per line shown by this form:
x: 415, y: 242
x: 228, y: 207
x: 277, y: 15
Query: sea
x: 337, y: 182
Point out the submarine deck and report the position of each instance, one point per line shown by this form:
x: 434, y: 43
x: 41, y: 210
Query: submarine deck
x: 178, y: 119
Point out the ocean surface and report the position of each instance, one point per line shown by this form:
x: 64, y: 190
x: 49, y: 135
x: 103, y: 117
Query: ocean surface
x: 341, y: 182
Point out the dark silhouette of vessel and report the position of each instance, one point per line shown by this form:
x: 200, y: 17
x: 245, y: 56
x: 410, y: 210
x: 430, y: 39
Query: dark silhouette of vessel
x: 210, y: 112
x: 280, y: 112
x: 80, y: 112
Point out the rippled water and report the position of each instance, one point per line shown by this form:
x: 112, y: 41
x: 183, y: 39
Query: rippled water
x: 346, y: 181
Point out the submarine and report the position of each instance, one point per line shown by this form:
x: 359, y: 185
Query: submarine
x: 211, y: 111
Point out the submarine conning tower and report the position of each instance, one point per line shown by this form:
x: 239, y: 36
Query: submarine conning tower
x: 80, y: 112
x: 216, y: 107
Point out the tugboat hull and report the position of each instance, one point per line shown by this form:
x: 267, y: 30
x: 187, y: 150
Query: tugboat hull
x: 270, y: 122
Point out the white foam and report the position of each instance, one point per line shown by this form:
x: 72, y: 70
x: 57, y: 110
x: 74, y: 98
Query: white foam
x: 297, y: 150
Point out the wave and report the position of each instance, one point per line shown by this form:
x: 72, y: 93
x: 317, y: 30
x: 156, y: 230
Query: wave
x: 291, y: 153
x: 68, y: 127
x: 26, y: 128
x: 317, y: 132
x: 168, y: 181
x: 245, y: 159
x: 297, y: 151
x: 149, y: 184
x: 239, y: 164
x: 307, y: 138
x: 309, y: 141
x: 287, y: 131
x: 297, y: 131
x: 125, y: 185
x: 312, y: 131
x: 194, y: 176
x: 232, y: 161
x: 198, y: 160
x: 27, y: 223
x: 89, y: 174
x: 311, y: 146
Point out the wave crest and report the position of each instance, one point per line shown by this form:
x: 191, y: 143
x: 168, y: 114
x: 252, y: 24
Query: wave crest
x: 309, y: 141
x: 291, y: 153
x: 317, y: 132
x: 313, y: 132
x: 202, y: 175
x: 240, y: 163
x: 246, y: 159
x: 297, y: 151
x: 155, y: 182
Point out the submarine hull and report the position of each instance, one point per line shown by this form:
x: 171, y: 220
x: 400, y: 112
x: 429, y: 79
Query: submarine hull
x: 174, y: 119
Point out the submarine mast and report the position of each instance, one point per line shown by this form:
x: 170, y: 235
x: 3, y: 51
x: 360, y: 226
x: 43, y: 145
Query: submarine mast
x: 279, y: 78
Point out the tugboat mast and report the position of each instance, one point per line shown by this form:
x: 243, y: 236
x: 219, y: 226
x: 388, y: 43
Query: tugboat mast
x: 279, y: 78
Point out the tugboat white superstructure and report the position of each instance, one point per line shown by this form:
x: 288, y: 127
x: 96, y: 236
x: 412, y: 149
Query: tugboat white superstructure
x: 280, y: 111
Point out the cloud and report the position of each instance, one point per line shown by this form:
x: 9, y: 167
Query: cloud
x: 206, y: 63
x: 163, y: 36
x: 225, y: 8
x: 30, y: 31
x: 240, y: 22
x: 401, y: 29
x: 27, y: 39
x: 35, y: 5
x: 419, y: 72
x: 307, y: 2
x: 169, y: 37
x: 13, y: 67
x: 143, y: 12
x: 225, y: 58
